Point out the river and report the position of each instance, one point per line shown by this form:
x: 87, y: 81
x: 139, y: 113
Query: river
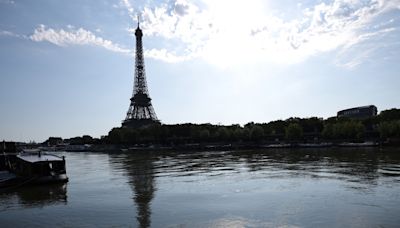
x: 332, y: 187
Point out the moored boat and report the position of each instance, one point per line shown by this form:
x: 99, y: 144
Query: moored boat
x: 43, y: 167
x: 33, y: 167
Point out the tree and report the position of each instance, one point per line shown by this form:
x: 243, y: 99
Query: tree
x: 277, y: 127
x: 344, y: 129
x: 223, y: 134
x: 329, y: 131
x: 389, y: 115
x: 237, y: 134
x: 256, y: 133
x: 352, y: 130
x: 246, y: 134
x: 311, y: 125
x: 131, y: 136
x: 389, y: 129
x: 204, y: 135
x: 114, y: 136
x: 294, y: 131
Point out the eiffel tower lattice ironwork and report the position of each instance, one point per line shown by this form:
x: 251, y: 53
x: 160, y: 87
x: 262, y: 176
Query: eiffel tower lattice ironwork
x: 140, y: 112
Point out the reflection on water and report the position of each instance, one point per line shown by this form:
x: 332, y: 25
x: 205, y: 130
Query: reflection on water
x: 139, y: 168
x: 271, y: 188
x: 359, y: 170
x: 34, y: 196
x: 362, y: 166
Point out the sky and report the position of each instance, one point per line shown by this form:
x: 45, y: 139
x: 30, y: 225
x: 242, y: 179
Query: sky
x: 67, y: 67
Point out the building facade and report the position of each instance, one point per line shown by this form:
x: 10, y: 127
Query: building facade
x: 358, y: 112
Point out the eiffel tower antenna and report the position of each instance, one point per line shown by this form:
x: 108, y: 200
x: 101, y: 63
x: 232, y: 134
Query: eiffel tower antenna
x: 140, y: 112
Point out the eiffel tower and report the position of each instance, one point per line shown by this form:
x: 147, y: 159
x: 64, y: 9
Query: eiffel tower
x: 141, y: 112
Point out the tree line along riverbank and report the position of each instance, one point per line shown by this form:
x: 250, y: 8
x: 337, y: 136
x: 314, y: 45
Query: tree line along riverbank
x: 383, y: 128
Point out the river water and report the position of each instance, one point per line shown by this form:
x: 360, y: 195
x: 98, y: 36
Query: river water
x: 270, y: 188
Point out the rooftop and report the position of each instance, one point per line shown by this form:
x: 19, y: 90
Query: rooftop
x: 39, y: 157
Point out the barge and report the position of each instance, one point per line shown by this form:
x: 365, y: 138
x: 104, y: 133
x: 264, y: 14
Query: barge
x: 31, y: 167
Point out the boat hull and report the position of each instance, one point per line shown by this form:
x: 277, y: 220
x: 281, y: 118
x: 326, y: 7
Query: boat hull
x: 62, y: 178
x: 17, y: 181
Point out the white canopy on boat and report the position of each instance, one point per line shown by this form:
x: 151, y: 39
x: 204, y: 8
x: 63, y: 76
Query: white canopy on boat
x: 36, y: 158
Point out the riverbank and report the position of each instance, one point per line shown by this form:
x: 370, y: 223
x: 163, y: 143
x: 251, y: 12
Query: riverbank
x: 230, y: 146
x: 214, y: 146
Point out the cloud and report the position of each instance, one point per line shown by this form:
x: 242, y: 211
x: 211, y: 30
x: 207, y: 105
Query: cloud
x: 81, y: 36
x: 8, y: 33
x: 73, y: 36
x: 181, y: 7
x: 347, y: 58
x: 182, y: 22
x: 128, y: 6
x: 227, y: 32
x: 164, y: 55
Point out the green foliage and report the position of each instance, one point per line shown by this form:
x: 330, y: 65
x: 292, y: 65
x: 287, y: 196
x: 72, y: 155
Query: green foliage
x: 387, y: 124
x: 246, y: 134
x: 277, y: 127
x: 329, y: 131
x: 256, y: 133
x: 389, y: 115
x: 115, y: 136
x: 204, y: 134
x: 223, y: 134
x: 344, y: 129
x: 311, y: 125
x: 352, y: 130
x: 389, y: 129
x: 294, y: 132
x: 238, y: 134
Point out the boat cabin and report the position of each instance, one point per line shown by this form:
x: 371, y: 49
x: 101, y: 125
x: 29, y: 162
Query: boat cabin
x: 42, y: 166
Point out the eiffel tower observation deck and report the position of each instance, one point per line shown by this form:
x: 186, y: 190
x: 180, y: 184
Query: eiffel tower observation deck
x: 141, y: 112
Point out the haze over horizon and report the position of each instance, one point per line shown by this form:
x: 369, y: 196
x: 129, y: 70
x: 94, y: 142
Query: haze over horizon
x: 67, y: 68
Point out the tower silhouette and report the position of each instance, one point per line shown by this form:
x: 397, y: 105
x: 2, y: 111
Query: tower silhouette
x: 141, y: 112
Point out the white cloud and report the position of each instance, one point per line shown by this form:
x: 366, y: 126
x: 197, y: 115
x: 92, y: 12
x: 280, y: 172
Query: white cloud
x: 8, y: 33
x: 12, y: 34
x: 81, y: 36
x: 349, y: 58
x: 164, y: 55
x: 129, y: 7
x: 74, y: 36
x: 227, y: 32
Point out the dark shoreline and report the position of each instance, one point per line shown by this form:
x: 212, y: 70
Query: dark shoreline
x: 231, y: 146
